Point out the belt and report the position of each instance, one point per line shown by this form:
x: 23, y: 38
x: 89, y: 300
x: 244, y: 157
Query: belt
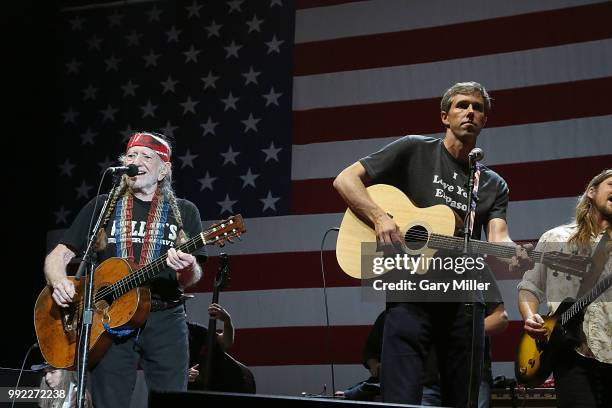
x: 158, y: 304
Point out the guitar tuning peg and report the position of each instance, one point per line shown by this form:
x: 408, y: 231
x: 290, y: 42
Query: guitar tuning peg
x: 568, y: 277
x: 555, y: 274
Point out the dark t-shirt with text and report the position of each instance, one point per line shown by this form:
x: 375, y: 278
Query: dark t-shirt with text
x: 165, y: 286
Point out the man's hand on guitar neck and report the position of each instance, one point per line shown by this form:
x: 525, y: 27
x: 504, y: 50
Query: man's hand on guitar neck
x: 187, y: 269
x: 521, y: 261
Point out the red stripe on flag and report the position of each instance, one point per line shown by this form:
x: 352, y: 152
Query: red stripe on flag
x: 542, y: 103
x: 343, y: 344
x: 572, y: 177
x: 504, y: 345
x: 300, y: 345
x: 290, y: 270
x: 537, y: 30
x: 318, y: 196
x: 296, y: 270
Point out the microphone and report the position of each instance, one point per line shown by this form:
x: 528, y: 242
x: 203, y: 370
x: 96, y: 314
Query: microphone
x: 476, y: 154
x: 131, y: 170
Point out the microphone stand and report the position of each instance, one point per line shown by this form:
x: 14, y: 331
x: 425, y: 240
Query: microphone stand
x: 476, y: 337
x: 87, y: 315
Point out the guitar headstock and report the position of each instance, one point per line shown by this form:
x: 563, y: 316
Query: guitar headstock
x: 224, y: 231
x: 576, y: 265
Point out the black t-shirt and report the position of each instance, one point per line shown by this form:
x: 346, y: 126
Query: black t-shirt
x: 425, y: 171
x: 165, y: 286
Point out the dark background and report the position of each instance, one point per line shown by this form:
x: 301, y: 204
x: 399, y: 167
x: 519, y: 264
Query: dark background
x: 28, y: 121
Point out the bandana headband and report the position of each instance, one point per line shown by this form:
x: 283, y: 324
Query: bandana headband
x: 154, y: 143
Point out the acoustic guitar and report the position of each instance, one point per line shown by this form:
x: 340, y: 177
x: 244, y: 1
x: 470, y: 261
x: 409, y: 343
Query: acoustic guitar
x: 121, y: 300
x: 425, y: 231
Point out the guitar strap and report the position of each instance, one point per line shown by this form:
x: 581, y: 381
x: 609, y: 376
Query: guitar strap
x: 474, y: 197
x: 600, y: 259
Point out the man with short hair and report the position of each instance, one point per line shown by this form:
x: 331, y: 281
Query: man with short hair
x: 431, y: 171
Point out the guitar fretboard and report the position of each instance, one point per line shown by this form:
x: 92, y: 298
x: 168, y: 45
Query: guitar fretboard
x: 148, y: 272
x: 438, y: 241
x: 586, y: 299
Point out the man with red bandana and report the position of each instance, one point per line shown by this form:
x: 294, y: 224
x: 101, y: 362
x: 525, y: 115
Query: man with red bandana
x: 144, y: 222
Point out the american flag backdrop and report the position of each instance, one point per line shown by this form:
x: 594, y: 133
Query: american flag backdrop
x: 268, y: 100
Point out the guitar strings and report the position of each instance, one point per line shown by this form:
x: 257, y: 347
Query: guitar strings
x: 142, y: 274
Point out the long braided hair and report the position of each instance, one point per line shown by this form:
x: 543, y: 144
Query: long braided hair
x: 164, y: 188
x: 586, y: 218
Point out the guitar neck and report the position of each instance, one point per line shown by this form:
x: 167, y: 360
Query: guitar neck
x: 586, y: 299
x: 150, y: 271
x: 437, y: 241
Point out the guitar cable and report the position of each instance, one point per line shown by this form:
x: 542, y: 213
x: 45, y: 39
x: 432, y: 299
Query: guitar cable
x: 329, y: 345
x: 25, y: 359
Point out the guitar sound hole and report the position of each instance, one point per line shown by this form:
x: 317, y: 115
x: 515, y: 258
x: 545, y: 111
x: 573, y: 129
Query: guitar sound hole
x: 416, y: 237
x: 103, y: 298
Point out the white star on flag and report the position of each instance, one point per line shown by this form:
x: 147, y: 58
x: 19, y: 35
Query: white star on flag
x: 66, y: 168
x: 88, y: 136
x: 230, y: 102
x: 83, y: 190
x: 229, y: 156
x: 129, y: 88
x: 269, y: 202
x: 274, y: 45
x: 209, y: 80
x: 108, y: 113
x: 249, y: 178
x: 187, y: 159
x: 272, y: 97
x: 169, y: 85
x: 254, y: 24
x: 60, y: 215
x: 209, y: 126
x: 232, y: 50
x: 271, y: 152
x: 250, y: 123
x: 148, y: 109
x: 251, y: 76
x: 206, y: 182
x: 189, y: 105
x: 227, y: 204
x: 213, y: 29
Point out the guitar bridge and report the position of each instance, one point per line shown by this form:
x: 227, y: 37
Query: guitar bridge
x: 70, y: 321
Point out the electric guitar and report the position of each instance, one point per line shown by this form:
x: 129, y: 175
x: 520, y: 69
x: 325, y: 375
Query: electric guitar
x: 425, y: 231
x: 535, y: 358
x: 121, y: 300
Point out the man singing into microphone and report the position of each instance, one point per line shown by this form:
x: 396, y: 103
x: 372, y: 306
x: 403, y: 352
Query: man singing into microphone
x: 145, y: 221
x: 432, y: 171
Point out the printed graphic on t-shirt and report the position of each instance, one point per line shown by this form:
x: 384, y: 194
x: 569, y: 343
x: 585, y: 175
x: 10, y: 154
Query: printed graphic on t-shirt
x: 138, y: 231
x: 451, y: 194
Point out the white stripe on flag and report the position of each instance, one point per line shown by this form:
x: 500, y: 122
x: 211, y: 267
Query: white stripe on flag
x: 348, y: 306
x: 509, y: 144
x: 572, y: 62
